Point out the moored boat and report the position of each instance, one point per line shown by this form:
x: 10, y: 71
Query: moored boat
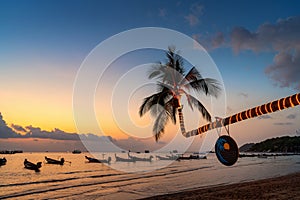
x: 32, y: 166
x: 10, y: 151
x: 95, y: 160
x: 120, y: 159
x: 76, y: 151
x: 262, y: 156
x: 140, y: 159
x: 2, y: 161
x: 168, y: 157
x: 53, y: 161
x: 192, y: 157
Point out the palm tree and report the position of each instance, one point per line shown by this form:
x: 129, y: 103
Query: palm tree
x: 173, y: 82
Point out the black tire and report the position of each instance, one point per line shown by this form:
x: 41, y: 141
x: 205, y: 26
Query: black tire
x: 226, y: 150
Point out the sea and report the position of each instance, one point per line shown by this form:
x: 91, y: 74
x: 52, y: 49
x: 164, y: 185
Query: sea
x: 79, y: 179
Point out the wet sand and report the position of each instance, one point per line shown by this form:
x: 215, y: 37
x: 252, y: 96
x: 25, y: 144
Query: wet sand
x: 285, y: 187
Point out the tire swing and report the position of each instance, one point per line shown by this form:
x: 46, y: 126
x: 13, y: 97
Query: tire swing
x: 226, y: 149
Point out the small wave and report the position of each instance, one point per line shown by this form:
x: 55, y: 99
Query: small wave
x: 120, y: 179
x: 248, y: 164
x: 56, y: 180
x: 76, y: 172
x: 38, y: 182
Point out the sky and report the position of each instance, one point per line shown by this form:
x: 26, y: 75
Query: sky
x: 255, y: 46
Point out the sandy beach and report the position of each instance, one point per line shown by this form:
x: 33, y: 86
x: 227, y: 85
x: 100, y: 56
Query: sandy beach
x: 284, y: 187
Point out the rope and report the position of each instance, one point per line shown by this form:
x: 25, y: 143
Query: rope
x: 284, y: 103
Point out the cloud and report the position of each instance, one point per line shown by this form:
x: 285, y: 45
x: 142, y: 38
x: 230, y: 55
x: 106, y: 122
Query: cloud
x: 192, y: 19
x: 245, y: 95
x: 197, y: 44
x: 93, y: 137
x: 282, y: 38
x: 18, y: 128
x: 291, y: 116
x: 36, y: 132
x: 57, y: 134
x: 265, y: 117
x: 283, y: 35
x: 210, y: 42
x: 5, y: 131
x: 243, y: 39
x: 41, y: 139
x: 162, y: 12
x: 283, y: 123
x: 196, y: 10
x: 217, y: 40
x: 285, y: 70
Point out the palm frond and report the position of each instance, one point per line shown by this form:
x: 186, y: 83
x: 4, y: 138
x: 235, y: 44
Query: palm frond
x: 208, y: 86
x: 172, y: 82
x: 171, y: 110
x: 151, y: 101
x: 145, y: 107
x: 193, y: 75
x: 175, y: 61
x: 214, y: 87
x: 156, y: 109
x: 155, y: 99
x: 156, y: 71
x: 160, y: 124
x: 188, y: 99
x: 179, y: 64
x: 195, y: 102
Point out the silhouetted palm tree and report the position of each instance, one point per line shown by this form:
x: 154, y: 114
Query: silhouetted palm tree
x: 172, y: 83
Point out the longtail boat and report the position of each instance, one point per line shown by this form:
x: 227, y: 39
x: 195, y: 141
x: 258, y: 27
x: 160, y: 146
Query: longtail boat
x: 76, y: 151
x: 32, y: 166
x: 2, y: 161
x: 120, y: 159
x: 95, y: 160
x: 140, y: 159
x: 191, y: 157
x: 53, y: 161
x: 168, y: 157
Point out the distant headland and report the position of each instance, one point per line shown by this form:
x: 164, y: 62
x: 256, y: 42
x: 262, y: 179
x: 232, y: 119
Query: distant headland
x: 285, y: 144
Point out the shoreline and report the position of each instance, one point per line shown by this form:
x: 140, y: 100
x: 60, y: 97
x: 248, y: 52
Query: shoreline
x: 282, y: 187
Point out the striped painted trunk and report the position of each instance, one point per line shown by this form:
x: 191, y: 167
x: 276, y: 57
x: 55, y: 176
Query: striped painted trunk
x: 182, y: 127
x: 270, y: 107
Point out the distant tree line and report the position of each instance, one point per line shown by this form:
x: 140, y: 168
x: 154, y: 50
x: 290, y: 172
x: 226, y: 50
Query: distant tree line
x: 279, y: 144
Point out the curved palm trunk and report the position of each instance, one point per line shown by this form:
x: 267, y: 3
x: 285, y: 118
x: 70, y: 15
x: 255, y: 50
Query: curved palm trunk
x: 182, y: 126
x: 270, y: 107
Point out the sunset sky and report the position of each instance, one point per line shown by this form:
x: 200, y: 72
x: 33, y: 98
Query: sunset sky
x: 254, y: 44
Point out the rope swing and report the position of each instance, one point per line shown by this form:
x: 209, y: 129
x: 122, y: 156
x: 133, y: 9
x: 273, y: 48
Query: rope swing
x: 226, y: 148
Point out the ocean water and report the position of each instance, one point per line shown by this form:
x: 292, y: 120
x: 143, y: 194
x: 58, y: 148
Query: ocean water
x: 81, y: 180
